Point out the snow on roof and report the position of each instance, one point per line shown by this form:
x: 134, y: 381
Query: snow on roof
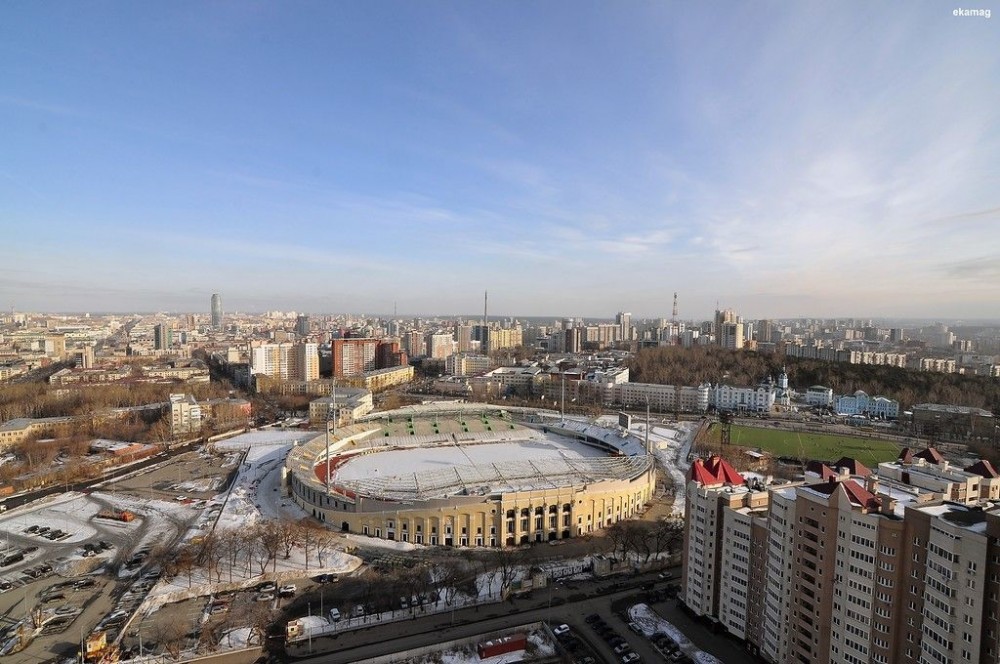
x: 428, y: 466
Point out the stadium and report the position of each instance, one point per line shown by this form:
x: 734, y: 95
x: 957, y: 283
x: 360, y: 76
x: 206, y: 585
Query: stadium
x: 470, y: 475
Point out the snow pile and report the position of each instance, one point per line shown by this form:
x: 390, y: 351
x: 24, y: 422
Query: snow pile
x: 650, y: 623
x: 241, y: 637
x: 671, y: 446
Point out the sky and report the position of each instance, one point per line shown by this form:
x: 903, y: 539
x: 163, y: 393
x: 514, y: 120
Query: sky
x: 575, y: 158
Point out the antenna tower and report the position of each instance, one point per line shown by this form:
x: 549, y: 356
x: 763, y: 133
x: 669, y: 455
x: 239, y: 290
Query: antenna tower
x: 675, y: 308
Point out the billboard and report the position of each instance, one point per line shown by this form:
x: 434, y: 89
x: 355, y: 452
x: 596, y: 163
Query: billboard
x: 625, y: 421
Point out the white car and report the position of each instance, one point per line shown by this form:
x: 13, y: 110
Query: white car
x: 287, y: 590
x: 334, y: 615
x: 561, y: 629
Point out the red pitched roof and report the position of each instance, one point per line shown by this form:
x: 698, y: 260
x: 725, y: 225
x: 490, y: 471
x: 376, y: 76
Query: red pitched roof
x: 819, y: 468
x: 715, y: 470
x: 984, y: 468
x: 856, y: 493
x: 700, y: 474
x: 853, y: 466
x: 930, y: 455
x: 906, y: 456
x: 860, y: 495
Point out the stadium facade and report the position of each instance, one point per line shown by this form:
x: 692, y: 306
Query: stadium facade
x: 471, y: 475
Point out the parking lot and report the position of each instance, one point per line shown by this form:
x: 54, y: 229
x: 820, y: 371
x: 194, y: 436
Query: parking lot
x: 77, y: 563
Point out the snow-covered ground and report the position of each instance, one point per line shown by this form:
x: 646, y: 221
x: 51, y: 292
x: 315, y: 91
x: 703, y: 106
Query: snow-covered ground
x: 650, y: 623
x: 671, y: 445
x: 255, y: 496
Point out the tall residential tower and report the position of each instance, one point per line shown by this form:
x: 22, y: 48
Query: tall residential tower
x: 216, y: 311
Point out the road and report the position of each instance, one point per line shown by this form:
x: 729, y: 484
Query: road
x: 569, y: 604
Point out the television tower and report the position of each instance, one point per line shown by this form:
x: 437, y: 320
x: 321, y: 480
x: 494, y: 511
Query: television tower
x: 674, y: 319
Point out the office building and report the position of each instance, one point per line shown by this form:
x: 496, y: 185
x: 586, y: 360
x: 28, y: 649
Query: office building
x: 216, y: 311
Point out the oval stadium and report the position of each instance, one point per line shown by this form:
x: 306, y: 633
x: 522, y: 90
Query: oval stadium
x: 470, y: 475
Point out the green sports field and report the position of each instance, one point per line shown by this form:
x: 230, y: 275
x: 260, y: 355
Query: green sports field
x: 809, y: 445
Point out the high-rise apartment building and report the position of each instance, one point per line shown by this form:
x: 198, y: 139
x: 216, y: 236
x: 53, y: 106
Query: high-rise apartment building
x: 463, y: 338
x: 624, y: 322
x: 302, y: 325
x: 413, y: 344
x: 729, y: 329
x: 574, y: 339
x: 163, y: 336
x: 849, y: 566
x: 440, y: 345
x: 286, y: 361
x: 216, y: 311
x: 353, y: 357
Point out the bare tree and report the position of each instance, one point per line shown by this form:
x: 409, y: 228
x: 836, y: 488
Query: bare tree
x: 289, y: 536
x: 308, y: 535
x: 447, y: 575
x: 618, y: 535
x: 324, y: 544
x: 505, y: 565
x: 269, y: 538
x: 171, y: 635
x: 210, y: 555
x: 232, y: 545
x: 668, y: 535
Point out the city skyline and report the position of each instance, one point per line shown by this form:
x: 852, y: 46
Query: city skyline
x: 576, y: 160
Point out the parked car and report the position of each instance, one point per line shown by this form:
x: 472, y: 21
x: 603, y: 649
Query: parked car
x: 334, y: 615
x: 287, y: 590
x: 560, y: 630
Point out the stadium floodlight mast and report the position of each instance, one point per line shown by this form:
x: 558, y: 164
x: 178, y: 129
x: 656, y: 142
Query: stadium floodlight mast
x: 333, y: 396
x: 562, y: 406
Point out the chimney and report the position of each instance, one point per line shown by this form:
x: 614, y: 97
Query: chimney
x: 871, y: 483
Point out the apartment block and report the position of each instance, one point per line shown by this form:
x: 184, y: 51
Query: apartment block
x: 286, y: 361
x: 663, y: 398
x: 849, y: 565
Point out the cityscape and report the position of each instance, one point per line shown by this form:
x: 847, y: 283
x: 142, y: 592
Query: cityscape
x: 479, y: 333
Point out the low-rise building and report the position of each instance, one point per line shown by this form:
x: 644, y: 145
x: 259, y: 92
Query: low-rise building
x: 348, y: 404
x: 819, y: 395
x: 860, y: 403
x: 664, y: 398
x: 758, y: 399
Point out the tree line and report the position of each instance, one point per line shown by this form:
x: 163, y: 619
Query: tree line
x: 44, y: 400
x: 675, y: 365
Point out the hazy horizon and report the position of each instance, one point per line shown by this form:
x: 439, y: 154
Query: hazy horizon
x: 786, y: 160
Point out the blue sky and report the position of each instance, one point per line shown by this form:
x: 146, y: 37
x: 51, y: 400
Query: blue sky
x: 575, y: 158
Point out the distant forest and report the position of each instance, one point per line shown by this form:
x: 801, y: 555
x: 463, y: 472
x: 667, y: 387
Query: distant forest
x: 675, y: 365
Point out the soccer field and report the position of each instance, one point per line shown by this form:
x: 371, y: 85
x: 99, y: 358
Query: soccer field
x: 809, y: 445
